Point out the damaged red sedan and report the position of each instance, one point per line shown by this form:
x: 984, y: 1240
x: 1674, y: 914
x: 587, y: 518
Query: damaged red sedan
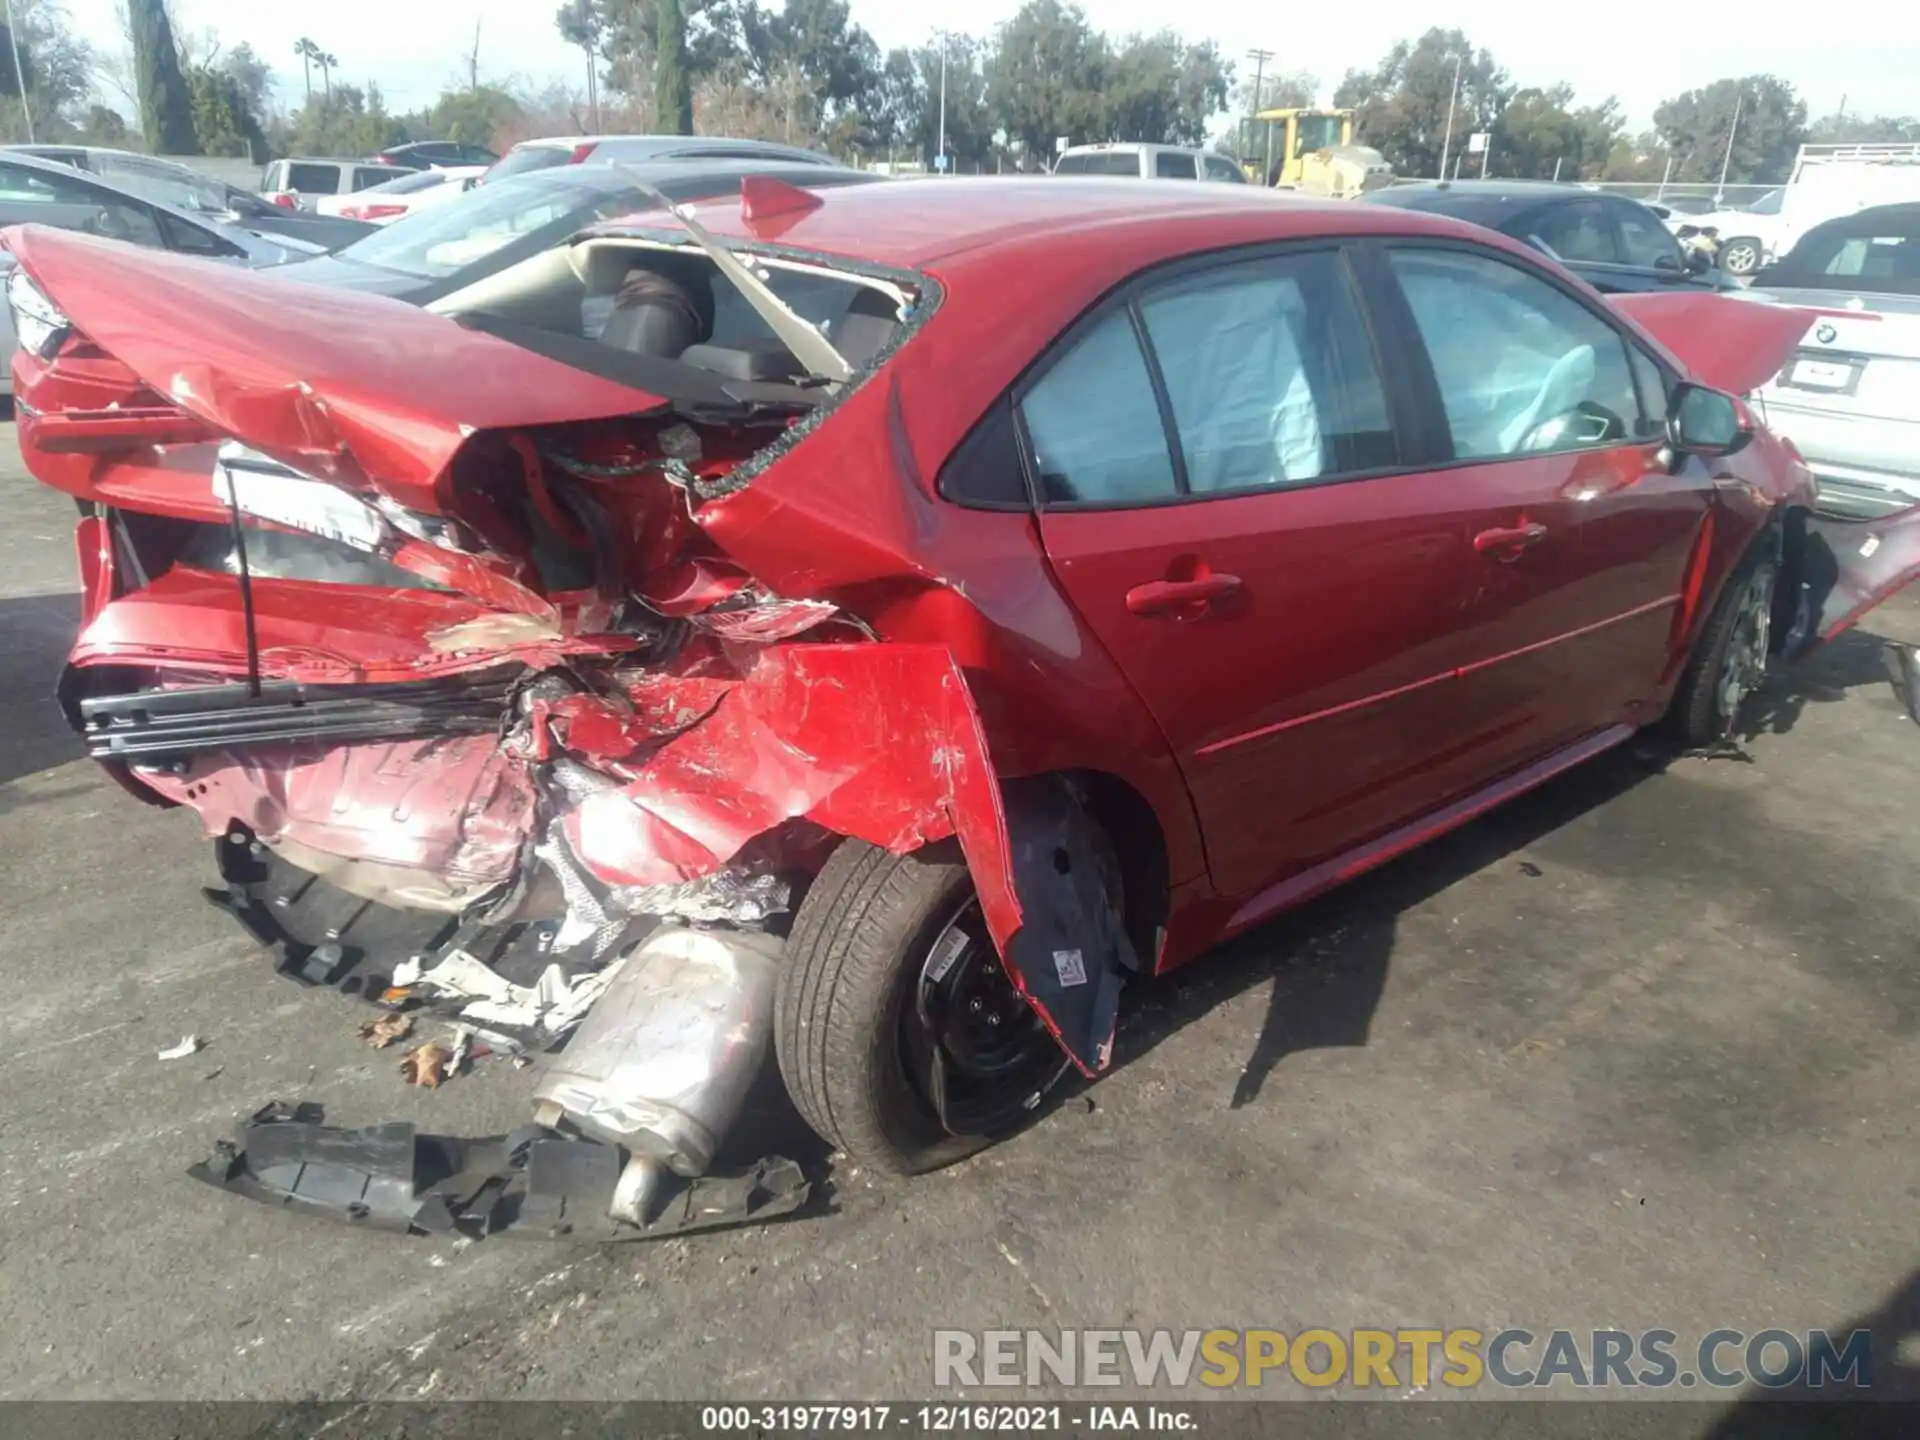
x: 874, y: 623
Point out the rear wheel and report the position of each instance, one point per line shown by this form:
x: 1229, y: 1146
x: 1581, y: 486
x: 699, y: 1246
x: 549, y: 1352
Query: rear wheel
x: 1729, y: 658
x: 1741, y: 255
x: 898, y: 1033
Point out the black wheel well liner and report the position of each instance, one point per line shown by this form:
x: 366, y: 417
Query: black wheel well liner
x: 1139, y: 844
x: 1788, y: 527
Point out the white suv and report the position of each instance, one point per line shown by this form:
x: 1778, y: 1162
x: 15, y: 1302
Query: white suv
x: 1148, y: 162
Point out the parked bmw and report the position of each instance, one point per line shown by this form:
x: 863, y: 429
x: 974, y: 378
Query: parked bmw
x: 1849, y: 397
x: 1613, y: 243
x: 1024, y: 585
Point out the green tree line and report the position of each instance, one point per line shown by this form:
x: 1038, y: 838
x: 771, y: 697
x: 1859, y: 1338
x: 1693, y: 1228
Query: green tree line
x: 804, y: 72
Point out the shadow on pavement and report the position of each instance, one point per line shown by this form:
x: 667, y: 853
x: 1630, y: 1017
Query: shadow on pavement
x: 1807, y: 1407
x: 1852, y: 660
x: 35, y: 633
x: 1327, y: 961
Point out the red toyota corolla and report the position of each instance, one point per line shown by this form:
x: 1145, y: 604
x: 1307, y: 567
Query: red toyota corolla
x: 890, y: 615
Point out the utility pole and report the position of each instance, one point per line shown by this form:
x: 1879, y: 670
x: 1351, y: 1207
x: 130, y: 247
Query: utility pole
x: 940, y: 155
x: 20, y: 73
x: 1446, y: 145
x: 1738, y: 98
x: 1260, y: 59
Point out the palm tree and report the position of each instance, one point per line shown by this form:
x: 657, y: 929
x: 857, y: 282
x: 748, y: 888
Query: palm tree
x: 326, y: 60
x: 307, y: 51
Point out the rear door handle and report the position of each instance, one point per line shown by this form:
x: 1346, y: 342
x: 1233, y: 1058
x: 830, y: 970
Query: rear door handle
x: 1505, y: 542
x: 1163, y: 597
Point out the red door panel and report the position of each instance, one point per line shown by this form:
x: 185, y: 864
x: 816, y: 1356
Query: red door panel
x: 1313, y: 702
x: 1571, y: 629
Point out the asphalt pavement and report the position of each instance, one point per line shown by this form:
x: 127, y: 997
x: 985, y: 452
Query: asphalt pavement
x: 1637, y: 1050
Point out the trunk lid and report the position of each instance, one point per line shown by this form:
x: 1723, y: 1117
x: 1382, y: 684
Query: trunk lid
x: 1732, y: 345
x: 338, y: 384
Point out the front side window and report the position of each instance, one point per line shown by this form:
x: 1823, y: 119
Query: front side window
x: 1219, y: 168
x: 190, y: 239
x: 1645, y: 241
x: 1172, y: 165
x: 33, y: 197
x: 1317, y: 132
x: 1576, y: 232
x: 1522, y: 367
x: 1269, y: 373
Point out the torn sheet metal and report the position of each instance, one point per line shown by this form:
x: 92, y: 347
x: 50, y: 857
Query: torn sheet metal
x: 876, y: 741
x: 1847, y: 567
x: 532, y: 1182
x: 533, y: 1017
x: 448, y: 815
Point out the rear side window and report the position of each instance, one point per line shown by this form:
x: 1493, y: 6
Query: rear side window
x: 310, y: 179
x: 524, y: 161
x: 1269, y: 373
x: 1094, y: 424
x: 1522, y: 367
x: 1172, y: 165
x: 1268, y: 376
x: 1100, y: 162
x: 367, y: 176
x: 1875, y: 257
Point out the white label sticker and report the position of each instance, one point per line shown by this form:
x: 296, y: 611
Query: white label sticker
x: 1071, y: 969
x: 1869, y: 545
x: 945, y: 953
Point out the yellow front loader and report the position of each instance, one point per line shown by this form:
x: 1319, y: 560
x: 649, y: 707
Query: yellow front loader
x: 1311, y: 151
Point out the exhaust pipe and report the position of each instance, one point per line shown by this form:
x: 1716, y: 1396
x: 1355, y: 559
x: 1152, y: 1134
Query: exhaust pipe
x: 663, y: 1061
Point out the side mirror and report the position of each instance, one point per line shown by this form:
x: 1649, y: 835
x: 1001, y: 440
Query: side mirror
x: 1705, y: 422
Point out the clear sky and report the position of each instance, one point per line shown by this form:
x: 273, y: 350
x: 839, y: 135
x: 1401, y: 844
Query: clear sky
x: 1643, y: 53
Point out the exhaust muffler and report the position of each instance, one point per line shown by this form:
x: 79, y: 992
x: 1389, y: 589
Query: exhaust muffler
x: 662, y: 1063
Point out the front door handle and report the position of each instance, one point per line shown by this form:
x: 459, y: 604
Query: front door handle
x: 1182, y: 599
x: 1505, y: 542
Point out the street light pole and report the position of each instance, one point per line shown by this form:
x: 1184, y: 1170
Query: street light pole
x: 1727, y: 160
x: 940, y: 156
x: 19, y: 73
x: 1446, y: 145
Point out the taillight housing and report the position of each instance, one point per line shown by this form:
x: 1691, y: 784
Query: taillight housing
x: 286, y: 201
x: 39, y: 325
x: 582, y: 151
x: 371, y: 212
